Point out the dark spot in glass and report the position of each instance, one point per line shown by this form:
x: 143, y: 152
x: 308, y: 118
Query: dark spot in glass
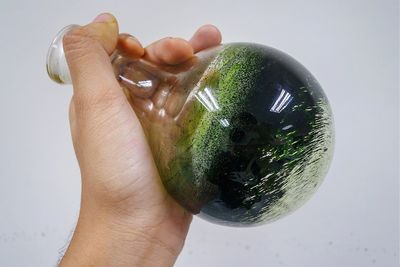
x: 232, y: 193
x: 255, y: 169
x: 237, y: 135
x: 276, y: 166
x: 247, y: 119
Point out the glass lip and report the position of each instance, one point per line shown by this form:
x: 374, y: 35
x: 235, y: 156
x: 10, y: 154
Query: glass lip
x: 55, y: 58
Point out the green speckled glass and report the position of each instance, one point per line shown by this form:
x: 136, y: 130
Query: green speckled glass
x: 242, y: 134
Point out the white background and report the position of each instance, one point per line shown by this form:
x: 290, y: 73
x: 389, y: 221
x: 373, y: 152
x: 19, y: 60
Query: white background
x: 350, y: 46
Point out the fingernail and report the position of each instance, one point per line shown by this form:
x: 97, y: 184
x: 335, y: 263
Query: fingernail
x: 105, y: 17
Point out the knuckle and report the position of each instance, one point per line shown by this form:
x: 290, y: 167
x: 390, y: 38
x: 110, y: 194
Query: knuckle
x: 78, y: 42
x: 74, y: 37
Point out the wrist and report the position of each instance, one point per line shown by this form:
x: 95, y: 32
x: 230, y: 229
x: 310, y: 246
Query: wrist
x: 105, y: 237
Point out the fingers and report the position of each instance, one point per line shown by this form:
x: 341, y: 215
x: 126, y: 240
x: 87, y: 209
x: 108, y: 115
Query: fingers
x: 169, y: 51
x: 87, y: 51
x: 130, y: 46
x: 172, y: 51
x: 205, y: 37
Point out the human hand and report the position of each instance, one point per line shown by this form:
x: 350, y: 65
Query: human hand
x: 126, y: 216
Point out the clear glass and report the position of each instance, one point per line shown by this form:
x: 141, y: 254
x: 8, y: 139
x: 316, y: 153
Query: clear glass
x: 242, y: 133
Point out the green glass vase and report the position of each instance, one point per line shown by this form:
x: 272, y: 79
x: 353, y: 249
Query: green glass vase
x: 242, y: 133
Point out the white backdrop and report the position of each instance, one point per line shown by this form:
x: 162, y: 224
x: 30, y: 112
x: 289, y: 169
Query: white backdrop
x: 351, y: 46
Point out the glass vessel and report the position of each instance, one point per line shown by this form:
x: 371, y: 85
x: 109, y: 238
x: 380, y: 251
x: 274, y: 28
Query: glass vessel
x: 241, y: 134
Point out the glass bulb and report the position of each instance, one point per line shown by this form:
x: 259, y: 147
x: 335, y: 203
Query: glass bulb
x: 241, y: 134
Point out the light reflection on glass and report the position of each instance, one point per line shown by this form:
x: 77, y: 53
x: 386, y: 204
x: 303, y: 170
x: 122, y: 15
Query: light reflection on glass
x: 140, y: 84
x: 281, y: 102
x: 212, y: 98
x: 287, y: 127
x: 146, y: 83
x: 208, y: 100
x: 224, y: 122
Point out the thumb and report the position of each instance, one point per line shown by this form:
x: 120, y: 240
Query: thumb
x: 87, y: 51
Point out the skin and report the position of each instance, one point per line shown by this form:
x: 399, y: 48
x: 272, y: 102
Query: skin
x: 126, y: 217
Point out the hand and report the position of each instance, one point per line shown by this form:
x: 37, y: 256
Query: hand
x: 126, y: 217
